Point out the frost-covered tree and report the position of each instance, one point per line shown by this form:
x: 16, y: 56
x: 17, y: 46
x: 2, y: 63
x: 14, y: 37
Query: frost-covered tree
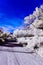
x: 35, y: 19
x: 32, y: 32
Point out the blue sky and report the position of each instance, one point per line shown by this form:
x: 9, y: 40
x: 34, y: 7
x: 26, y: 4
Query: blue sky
x: 12, y: 12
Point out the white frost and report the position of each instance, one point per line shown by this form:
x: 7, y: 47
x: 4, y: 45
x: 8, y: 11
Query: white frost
x: 34, y: 20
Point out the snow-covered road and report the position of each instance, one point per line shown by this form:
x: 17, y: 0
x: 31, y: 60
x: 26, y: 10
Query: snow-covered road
x: 19, y: 56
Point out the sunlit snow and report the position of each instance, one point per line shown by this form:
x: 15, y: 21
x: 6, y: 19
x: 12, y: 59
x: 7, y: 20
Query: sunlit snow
x: 34, y: 20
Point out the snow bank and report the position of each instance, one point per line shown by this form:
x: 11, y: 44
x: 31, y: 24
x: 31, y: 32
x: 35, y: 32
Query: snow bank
x: 40, y: 51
